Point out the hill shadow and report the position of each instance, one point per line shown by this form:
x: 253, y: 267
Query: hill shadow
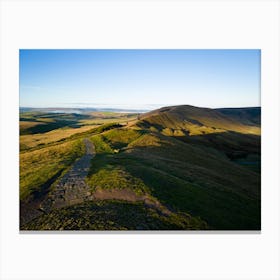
x: 186, y: 178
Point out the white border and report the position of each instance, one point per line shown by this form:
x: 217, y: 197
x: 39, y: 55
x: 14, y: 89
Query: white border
x: 140, y: 24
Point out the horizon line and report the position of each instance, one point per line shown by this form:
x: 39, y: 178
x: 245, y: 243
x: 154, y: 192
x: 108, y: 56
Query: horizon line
x: 135, y: 108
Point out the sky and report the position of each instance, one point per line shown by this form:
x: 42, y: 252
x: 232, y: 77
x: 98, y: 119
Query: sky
x: 139, y: 79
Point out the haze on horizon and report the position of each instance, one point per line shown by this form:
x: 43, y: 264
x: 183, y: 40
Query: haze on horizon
x: 139, y: 79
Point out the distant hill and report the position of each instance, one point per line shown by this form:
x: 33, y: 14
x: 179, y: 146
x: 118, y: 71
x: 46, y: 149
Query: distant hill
x: 195, y: 120
x: 227, y: 132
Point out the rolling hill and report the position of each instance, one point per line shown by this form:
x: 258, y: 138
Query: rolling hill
x: 195, y: 121
x: 179, y: 167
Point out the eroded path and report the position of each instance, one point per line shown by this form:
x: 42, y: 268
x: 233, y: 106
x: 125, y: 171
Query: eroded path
x: 71, y: 188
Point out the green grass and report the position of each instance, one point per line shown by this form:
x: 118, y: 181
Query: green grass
x: 40, y: 166
x: 188, y: 163
x: 96, y: 130
x: 221, y: 208
x: 181, y: 176
x: 113, y: 215
x: 120, y: 138
x: 100, y: 145
x: 105, y: 171
x: 107, y: 174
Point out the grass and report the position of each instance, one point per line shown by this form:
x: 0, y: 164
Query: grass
x: 105, y: 173
x: 56, y: 135
x: 47, y: 125
x: 196, y: 121
x: 221, y: 208
x: 39, y: 166
x: 41, y: 122
x: 120, y: 138
x: 251, y: 161
x: 44, y: 156
x: 100, y: 145
x: 96, y: 130
x: 38, y: 141
x: 25, y: 125
x: 181, y: 176
x: 194, y: 164
x: 113, y: 215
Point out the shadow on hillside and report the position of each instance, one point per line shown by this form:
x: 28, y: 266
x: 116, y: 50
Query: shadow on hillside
x: 234, y: 145
x: 29, y: 208
x: 189, y: 177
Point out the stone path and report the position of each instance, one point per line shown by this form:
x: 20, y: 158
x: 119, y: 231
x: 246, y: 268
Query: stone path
x: 71, y: 188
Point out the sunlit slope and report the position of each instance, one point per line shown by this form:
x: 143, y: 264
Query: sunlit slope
x: 192, y: 120
x: 40, y: 168
x: 40, y: 139
x: 40, y: 122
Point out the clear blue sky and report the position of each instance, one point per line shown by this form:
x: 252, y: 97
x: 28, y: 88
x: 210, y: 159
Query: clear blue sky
x: 139, y: 78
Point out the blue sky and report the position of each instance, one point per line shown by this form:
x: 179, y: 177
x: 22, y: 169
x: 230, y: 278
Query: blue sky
x: 139, y: 78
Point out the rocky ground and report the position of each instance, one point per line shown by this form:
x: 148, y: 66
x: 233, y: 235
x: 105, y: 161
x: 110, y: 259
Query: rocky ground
x: 71, y: 188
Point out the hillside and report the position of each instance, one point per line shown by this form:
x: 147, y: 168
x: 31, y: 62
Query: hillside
x: 192, y: 120
x: 226, y: 130
x: 178, y: 167
x: 248, y: 116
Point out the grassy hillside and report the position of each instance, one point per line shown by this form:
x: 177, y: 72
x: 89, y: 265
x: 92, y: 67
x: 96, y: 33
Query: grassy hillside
x: 178, y: 167
x: 195, y: 121
x: 182, y: 176
x: 248, y: 116
x: 56, y: 135
x: 41, y: 167
x: 231, y: 131
x: 113, y: 215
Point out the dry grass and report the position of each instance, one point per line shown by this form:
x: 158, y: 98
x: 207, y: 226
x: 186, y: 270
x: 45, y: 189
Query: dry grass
x: 28, y: 124
x: 100, y: 121
x: 30, y: 141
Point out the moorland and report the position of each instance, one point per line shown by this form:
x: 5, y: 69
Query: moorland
x: 174, y: 168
